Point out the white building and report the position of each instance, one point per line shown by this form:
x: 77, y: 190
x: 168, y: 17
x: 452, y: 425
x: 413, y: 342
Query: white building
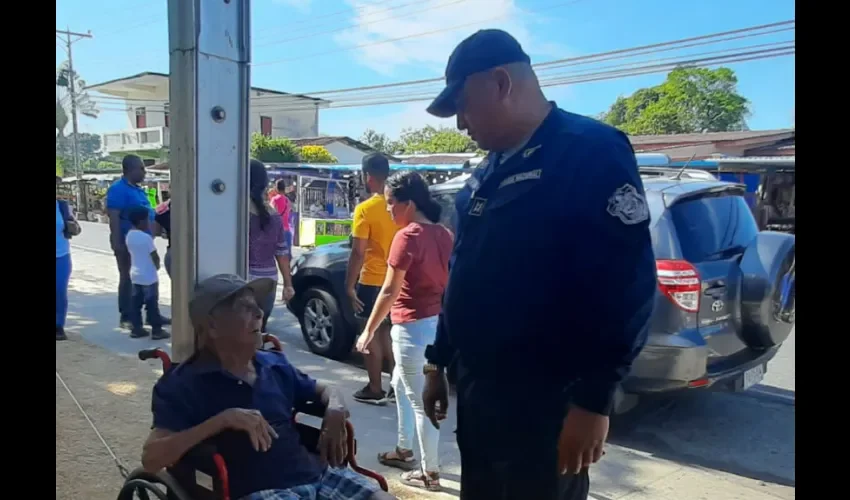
x: 346, y: 150
x: 145, y: 97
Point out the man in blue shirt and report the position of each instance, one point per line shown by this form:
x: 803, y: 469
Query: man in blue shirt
x: 551, y: 284
x: 122, y: 196
x: 243, y: 400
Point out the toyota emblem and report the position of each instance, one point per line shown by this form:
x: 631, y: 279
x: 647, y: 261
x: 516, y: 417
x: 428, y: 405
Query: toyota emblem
x: 717, y: 306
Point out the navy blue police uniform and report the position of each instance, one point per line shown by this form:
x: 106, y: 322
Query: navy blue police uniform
x: 550, y: 291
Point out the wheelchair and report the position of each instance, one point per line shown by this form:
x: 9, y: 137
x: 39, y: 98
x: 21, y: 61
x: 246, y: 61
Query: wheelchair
x: 202, y: 473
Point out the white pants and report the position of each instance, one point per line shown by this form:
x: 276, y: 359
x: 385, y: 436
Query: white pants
x: 409, y: 341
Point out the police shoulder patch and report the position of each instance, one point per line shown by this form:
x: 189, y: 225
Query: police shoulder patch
x: 628, y: 205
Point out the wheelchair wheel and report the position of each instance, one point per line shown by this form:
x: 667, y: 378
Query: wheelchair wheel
x: 145, y: 486
x: 140, y: 488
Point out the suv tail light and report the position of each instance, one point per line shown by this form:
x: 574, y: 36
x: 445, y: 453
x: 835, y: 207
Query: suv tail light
x: 680, y: 281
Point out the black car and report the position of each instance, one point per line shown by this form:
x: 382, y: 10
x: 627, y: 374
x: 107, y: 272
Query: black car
x: 725, y: 301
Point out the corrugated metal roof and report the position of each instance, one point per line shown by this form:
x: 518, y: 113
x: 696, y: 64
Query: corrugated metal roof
x: 707, y: 137
x: 759, y: 160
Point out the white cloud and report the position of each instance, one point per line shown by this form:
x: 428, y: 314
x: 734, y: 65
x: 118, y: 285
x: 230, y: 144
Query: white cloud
x: 302, y: 5
x: 375, y: 24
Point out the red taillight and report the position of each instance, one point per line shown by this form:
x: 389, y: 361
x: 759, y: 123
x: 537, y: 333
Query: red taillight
x: 679, y: 280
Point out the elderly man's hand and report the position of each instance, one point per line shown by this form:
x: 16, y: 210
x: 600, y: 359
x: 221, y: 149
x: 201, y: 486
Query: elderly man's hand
x: 333, y: 447
x: 251, y: 422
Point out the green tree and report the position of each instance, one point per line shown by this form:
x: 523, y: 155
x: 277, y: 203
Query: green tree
x: 379, y: 142
x: 273, y: 149
x: 316, y: 154
x: 430, y: 140
x: 691, y: 100
x: 88, y: 144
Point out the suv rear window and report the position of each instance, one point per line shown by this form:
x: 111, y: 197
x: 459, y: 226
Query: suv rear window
x: 706, y: 227
x: 447, y: 202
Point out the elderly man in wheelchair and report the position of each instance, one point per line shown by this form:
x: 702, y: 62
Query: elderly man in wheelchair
x: 243, y: 399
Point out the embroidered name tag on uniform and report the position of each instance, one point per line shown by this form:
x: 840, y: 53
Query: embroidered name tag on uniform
x: 531, y: 175
x: 476, y: 207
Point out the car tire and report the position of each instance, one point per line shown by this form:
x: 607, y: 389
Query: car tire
x: 323, y: 326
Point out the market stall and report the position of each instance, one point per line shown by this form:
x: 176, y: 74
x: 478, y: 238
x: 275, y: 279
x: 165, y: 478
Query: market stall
x: 95, y: 187
x: 325, y: 195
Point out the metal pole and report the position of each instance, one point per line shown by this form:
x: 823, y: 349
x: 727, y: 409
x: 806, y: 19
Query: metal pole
x: 209, y: 46
x: 73, y: 94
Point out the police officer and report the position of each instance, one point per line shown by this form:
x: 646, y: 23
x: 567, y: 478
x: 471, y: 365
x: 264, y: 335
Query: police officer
x: 551, y: 284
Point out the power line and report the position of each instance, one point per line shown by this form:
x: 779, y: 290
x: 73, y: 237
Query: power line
x: 406, y: 37
x: 72, y: 77
x: 356, y: 25
x: 149, y: 21
x: 324, y: 16
x: 777, y: 49
x: 708, y: 39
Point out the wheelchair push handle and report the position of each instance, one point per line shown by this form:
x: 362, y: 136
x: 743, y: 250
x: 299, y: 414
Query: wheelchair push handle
x: 156, y: 353
x: 146, y: 354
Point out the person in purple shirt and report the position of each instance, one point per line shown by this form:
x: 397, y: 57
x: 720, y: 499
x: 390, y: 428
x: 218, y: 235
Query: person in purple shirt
x: 242, y: 400
x: 268, y: 248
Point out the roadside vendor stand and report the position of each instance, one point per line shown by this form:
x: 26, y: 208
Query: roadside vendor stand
x: 770, y: 184
x: 325, y: 196
x: 321, y: 212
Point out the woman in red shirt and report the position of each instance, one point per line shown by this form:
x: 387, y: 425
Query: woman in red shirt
x: 412, y: 294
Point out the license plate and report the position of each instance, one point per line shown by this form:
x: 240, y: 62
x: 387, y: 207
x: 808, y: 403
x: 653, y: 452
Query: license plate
x: 753, y: 376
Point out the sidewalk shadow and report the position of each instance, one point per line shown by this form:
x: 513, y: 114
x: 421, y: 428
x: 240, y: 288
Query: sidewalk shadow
x: 733, y: 433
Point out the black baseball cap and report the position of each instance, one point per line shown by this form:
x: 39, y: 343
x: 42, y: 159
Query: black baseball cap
x: 483, y: 50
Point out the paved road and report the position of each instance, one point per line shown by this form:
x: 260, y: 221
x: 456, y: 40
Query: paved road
x: 750, y: 435
x: 778, y: 380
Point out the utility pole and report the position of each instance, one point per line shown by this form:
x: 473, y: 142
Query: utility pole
x: 209, y: 47
x: 73, y: 93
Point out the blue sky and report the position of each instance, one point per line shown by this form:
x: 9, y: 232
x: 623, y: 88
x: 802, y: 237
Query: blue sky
x: 130, y: 36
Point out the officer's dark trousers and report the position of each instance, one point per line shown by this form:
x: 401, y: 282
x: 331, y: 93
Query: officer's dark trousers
x: 125, y: 286
x: 508, y: 439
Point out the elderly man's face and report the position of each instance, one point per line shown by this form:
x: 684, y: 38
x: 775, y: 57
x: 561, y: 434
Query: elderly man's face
x: 238, y: 321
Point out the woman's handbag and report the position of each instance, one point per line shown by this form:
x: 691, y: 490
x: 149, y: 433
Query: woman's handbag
x: 72, y: 227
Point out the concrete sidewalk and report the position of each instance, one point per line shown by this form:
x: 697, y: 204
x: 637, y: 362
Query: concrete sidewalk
x: 99, y: 365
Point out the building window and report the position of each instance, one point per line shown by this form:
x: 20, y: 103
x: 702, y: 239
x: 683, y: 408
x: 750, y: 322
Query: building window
x: 266, y: 126
x: 167, y: 117
x: 141, y: 118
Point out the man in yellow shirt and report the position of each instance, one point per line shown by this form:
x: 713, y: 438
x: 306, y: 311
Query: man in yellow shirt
x: 372, y: 234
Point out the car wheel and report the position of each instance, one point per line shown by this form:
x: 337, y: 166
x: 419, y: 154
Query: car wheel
x: 323, y: 325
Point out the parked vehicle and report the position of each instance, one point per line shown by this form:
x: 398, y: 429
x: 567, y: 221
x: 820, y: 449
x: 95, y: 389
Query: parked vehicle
x: 725, y: 301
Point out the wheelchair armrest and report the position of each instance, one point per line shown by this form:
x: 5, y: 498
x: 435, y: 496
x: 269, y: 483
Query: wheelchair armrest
x: 201, y: 455
x: 312, y: 408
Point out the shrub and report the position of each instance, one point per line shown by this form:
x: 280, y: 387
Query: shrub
x: 316, y: 154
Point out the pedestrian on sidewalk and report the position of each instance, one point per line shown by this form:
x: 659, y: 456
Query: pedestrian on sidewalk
x: 372, y: 232
x: 283, y: 207
x: 66, y: 228
x: 122, y: 196
x: 144, y: 267
x: 163, y: 218
x: 552, y: 281
x: 268, y: 249
x: 418, y: 269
